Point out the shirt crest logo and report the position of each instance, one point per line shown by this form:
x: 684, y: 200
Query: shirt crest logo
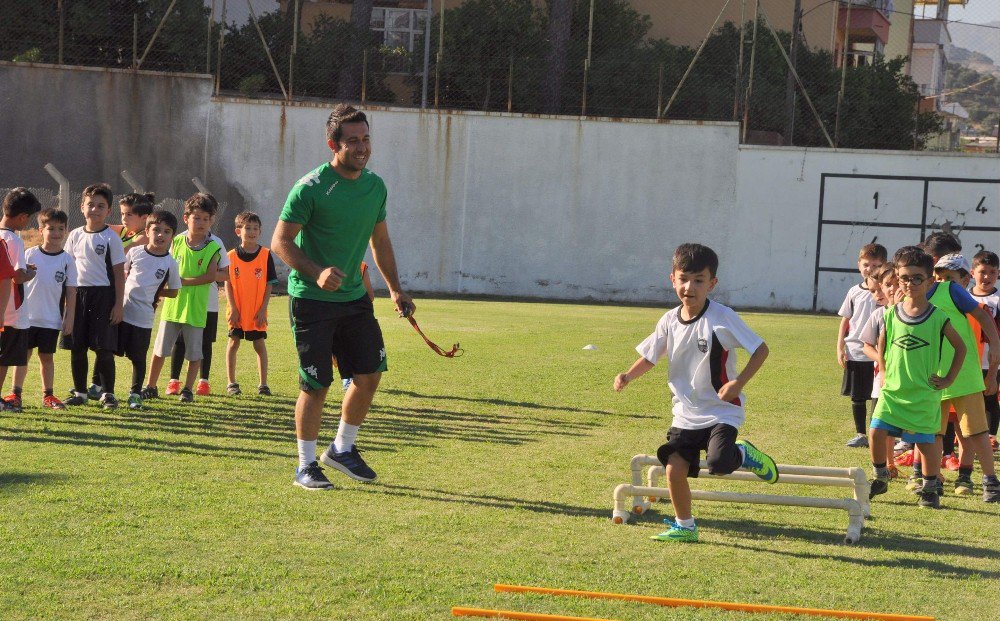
x: 909, y: 342
x: 236, y: 271
x: 703, y: 345
x: 160, y: 273
x: 99, y: 249
x: 258, y: 273
x: 60, y: 277
x: 310, y: 179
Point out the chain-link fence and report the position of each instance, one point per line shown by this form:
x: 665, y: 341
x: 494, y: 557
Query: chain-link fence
x: 867, y: 73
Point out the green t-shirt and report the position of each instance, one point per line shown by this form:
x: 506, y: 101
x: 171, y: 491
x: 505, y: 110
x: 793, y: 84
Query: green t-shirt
x: 337, y: 216
x: 970, y: 377
x: 912, y: 354
x: 191, y: 304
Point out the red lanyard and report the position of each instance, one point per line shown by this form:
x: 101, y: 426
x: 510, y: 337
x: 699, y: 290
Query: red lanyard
x: 455, y: 351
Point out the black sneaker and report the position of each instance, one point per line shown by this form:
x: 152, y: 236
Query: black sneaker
x: 991, y: 489
x: 186, y: 395
x: 929, y: 496
x: 350, y: 463
x: 150, y: 392
x: 76, y: 398
x: 233, y: 389
x: 109, y: 402
x: 264, y: 390
x: 312, y: 478
x: 877, y: 486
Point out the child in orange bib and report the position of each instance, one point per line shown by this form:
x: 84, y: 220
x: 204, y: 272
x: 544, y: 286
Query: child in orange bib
x: 251, y: 277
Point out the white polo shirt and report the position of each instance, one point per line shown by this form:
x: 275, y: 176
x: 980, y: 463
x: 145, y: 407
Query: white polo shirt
x: 701, y: 360
x: 147, y: 273
x: 95, y: 254
x: 858, y: 306
x: 43, y: 294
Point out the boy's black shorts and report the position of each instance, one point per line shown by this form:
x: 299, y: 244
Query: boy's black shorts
x: 859, y: 376
x: 44, y: 339
x: 718, y: 441
x: 247, y: 335
x: 92, y: 321
x: 133, y: 341
x: 13, y: 347
x: 347, y: 330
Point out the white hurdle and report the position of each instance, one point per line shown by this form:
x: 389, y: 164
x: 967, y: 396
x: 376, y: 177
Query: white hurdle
x: 858, y: 507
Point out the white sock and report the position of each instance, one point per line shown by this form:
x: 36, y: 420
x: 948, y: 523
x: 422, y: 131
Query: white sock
x: 688, y: 523
x: 346, y: 434
x: 307, y: 452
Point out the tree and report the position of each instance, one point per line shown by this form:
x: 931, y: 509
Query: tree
x: 349, y: 83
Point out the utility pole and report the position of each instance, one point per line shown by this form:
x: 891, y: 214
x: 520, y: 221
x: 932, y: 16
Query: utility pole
x: 790, y: 82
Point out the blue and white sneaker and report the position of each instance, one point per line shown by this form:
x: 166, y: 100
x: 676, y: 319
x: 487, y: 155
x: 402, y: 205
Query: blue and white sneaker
x: 350, y: 463
x: 95, y: 392
x: 347, y: 383
x: 758, y: 462
x: 312, y: 478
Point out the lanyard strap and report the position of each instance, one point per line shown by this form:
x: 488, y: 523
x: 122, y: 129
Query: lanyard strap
x: 455, y: 351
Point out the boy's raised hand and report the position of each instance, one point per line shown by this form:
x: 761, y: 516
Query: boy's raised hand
x: 621, y: 381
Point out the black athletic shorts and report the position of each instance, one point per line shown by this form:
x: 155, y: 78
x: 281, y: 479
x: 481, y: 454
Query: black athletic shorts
x: 347, y: 330
x: 44, y: 339
x: 13, y: 347
x: 247, y: 335
x: 859, y: 376
x: 133, y: 341
x: 719, y: 442
x: 92, y: 322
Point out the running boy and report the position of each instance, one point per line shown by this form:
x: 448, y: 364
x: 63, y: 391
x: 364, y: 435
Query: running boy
x: 100, y: 269
x: 251, y: 278
x: 19, y: 205
x: 49, y: 304
x: 910, y: 349
x: 985, y: 269
x: 697, y: 339
x: 859, y: 371
x: 151, y: 274
x: 197, y: 258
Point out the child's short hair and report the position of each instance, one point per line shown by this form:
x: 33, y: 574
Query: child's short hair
x: 54, y: 215
x: 914, y: 256
x: 342, y: 113
x: 201, y: 202
x: 695, y: 258
x: 941, y: 243
x: 986, y: 257
x: 141, y: 204
x: 873, y: 251
x: 885, y: 271
x: 162, y: 216
x: 246, y: 217
x: 19, y: 201
x: 98, y: 189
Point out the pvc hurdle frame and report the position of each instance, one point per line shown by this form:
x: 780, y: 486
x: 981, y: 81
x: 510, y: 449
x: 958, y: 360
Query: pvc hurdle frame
x: 857, y: 508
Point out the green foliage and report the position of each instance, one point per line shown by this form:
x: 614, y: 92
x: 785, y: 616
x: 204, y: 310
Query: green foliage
x: 33, y: 55
x: 977, y: 92
x: 251, y: 85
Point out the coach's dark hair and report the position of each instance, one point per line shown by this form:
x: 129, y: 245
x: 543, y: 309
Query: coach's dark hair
x: 20, y: 200
x: 201, y: 202
x: 914, y: 256
x: 141, y: 204
x: 941, y: 243
x: 694, y: 258
x: 342, y: 113
x: 986, y: 257
x: 52, y: 215
x: 873, y: 251
x: 246, y: 217
x: 162, y: 216
x: 98, y: 189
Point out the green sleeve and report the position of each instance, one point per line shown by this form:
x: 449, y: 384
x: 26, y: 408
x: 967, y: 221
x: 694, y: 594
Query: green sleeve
x: 381, y: 211
x: 298, y: 206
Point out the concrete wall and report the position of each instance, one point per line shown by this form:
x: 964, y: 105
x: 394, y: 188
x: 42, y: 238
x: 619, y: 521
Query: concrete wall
x: 511, y: 205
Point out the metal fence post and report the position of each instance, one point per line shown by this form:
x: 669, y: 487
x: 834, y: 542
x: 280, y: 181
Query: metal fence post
x: 427, y: 54
x: 218, y: 55
x: 294, y: 50
x: 208, y: 40
x: 156, y: 33
x: 440, y: 56
x: 659, y: 94
x: 586, y: 63
x: 364, y: 75
x: 62, y: 24
x: 510, y: 86
x: 135, y: 40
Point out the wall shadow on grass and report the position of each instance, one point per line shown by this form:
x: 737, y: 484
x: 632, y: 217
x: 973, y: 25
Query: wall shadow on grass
x: 14, y: 482
x: 505, y: 403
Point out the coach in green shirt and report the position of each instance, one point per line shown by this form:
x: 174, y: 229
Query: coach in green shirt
x: 329, y: 218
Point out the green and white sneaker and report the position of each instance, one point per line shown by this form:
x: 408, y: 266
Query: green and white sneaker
x: 135, y: 401
x: 678, y: 533
x: 758, y: 462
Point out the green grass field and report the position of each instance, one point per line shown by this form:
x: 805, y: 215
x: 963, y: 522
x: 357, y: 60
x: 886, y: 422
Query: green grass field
x: 495, y: 467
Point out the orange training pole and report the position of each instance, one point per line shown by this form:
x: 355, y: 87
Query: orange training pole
x: 510, y: 614
x: 695, y: 603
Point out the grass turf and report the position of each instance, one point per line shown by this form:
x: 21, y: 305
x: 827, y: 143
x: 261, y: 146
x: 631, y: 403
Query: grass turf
x: 494, y: 467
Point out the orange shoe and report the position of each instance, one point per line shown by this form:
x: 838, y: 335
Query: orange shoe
x: 950, y: 462
x: 52, y: 402
x: 174, y: 387
x: 904, y: 459
x: 893, y: 471
x: 203, y: 388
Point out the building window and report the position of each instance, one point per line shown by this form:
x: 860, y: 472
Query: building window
x: 397, y: 28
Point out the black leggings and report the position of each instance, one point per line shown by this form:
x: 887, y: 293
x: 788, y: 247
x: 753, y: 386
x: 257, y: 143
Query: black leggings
x: 177, y: 358
x: 104, y: 369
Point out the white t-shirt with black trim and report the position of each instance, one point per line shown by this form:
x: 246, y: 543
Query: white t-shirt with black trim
x: 146, y: 274
x: 43, y: 294
x: 701, y: 360
x: 15, y: 252
x: 858, y: 306
x: 869, y: 334
x: 95, y: 254
x: 992, y: 304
